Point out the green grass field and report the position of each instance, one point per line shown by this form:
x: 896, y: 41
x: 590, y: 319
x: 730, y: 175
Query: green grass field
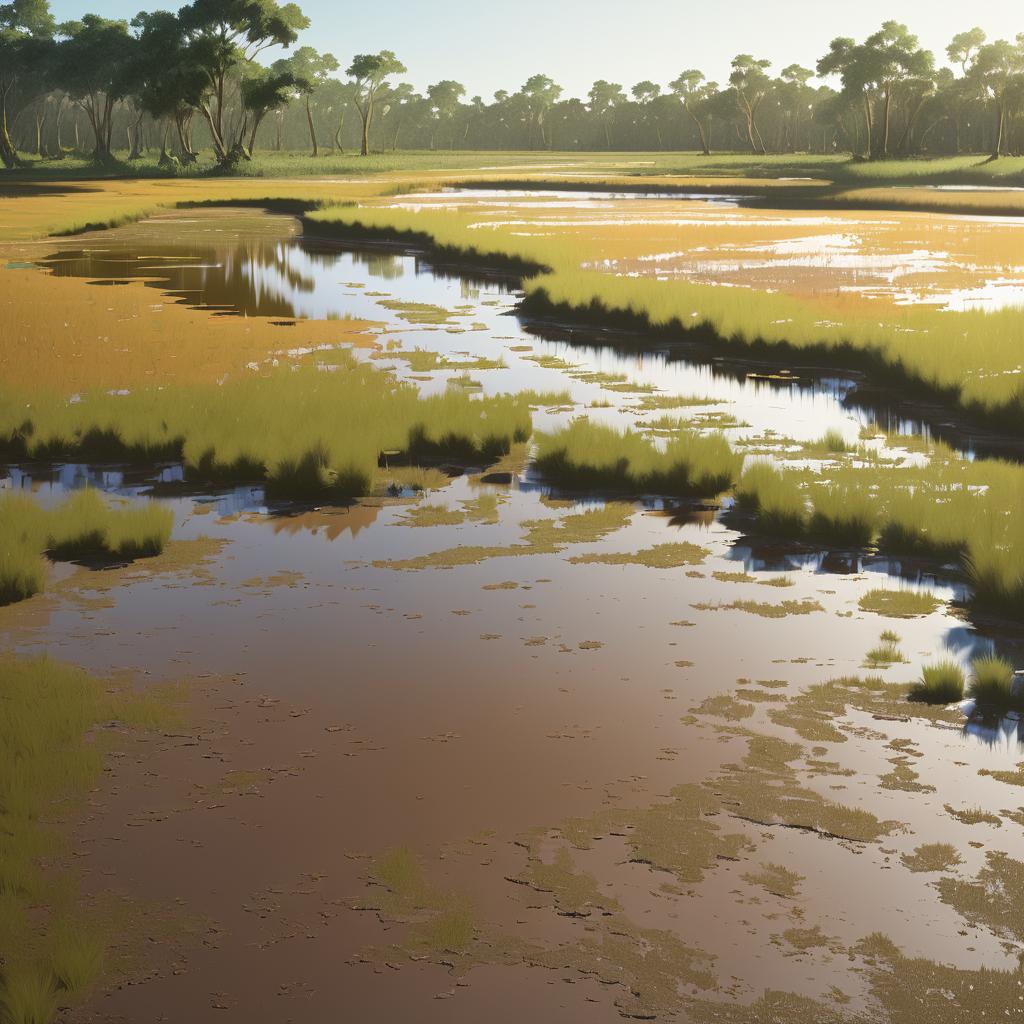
x: 840, y: 169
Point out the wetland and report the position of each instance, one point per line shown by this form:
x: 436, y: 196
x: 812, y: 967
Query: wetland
x: 422, y: 636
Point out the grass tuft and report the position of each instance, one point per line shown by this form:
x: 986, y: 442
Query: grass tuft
x: 991, y: 684
x: 941, y: 683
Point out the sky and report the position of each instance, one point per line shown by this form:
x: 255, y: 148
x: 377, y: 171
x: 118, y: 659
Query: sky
x: 488, y: 45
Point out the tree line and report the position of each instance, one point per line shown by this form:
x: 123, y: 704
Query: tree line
x: 203, y: 77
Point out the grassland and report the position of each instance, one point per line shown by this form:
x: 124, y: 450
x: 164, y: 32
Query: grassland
x: 970, y: 359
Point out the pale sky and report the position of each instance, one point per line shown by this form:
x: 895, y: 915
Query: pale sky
x: 488, y: 46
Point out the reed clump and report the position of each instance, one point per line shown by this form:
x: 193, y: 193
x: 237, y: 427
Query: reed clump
x: 940, y: 683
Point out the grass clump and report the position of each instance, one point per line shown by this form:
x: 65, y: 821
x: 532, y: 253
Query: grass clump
x: 886, y: 652
x: 589, y: 456
x: 991, y: 684
x: 22, y: 568
x: 775, y: 498
x: 844, y: 515
x: 83, y: 527
x: 899, y: 604
x: 941, y: 683
x: 306, y: 430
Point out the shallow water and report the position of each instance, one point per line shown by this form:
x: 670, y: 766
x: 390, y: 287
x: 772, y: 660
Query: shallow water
x: 375, y: 699
x: 951, y: 262
x: 256, y: 265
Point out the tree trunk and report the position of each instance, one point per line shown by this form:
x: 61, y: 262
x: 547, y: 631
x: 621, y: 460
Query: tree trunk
x: 869, y: 151
x: 337, y: 134
x: 312, y: 129
x: 252, y: 135
x: 885, y: 127
x: 997, y: 152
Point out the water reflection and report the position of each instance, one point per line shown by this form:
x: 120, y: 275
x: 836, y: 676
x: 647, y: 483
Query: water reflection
x: 1003, y: 732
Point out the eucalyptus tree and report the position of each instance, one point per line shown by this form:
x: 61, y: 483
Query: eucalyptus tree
x: 308, y: 71
x: 93, y: 63
x: 334, y: 101
x: 265, y: 90
x: 225, y: 35
x: 604, y: 99
x: 696, y: 94
x: 646, y: 94
x: 370, y: 72
x: 900, y: 61
x: 168, y: 83
x: 964, y: 46
x: 26, y: 43
x: 445, y: 99
x: 853, y: 63
x: 888, y: 65
x: 998, y: 72
x: 750, y: 84
x: 539, y: 93
x: 795, y: 97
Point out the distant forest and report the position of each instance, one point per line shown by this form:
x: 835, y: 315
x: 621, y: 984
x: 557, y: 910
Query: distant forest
x: 186, y: 81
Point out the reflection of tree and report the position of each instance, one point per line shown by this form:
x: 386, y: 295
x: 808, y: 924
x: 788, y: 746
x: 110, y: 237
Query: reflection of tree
x: 380, y: 264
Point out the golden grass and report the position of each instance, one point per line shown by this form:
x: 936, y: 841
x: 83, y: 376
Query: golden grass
x: 971, y: 357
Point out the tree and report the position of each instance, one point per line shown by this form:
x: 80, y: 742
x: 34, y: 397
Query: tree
x: 167, y: 83
x: 539, y: 93
x: 696, y: 94
x: 26, y: 34
x: 370, y: 72
x: 998, y: 71
x: 751, y: 85
x: 899, y: 59
x: 94, y: 62
x: 223, y: 35
x: 964, y: 46
x: 268, y: 89
x: 444, y: 97
x: 309, y: 72
x: 604, y: 98
x: 795, y: 99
